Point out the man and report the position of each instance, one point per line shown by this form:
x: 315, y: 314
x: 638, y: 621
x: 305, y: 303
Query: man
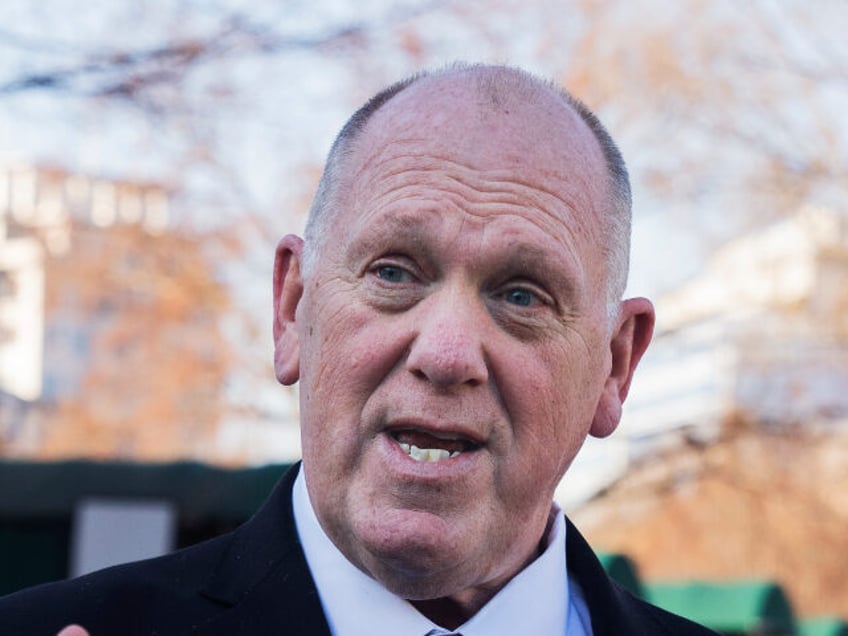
x: 454, y: 319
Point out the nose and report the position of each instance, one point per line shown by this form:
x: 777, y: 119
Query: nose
x: 448, y: 349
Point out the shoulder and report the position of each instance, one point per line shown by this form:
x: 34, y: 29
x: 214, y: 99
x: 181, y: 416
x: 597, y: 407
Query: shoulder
x: 134, y: 594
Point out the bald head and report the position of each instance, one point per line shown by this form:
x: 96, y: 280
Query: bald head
x: 485, y: 89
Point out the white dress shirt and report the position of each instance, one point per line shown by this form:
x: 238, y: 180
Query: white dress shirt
x: 539, y: 600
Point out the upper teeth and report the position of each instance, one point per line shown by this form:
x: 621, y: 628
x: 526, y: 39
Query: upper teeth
x: 426, y: 454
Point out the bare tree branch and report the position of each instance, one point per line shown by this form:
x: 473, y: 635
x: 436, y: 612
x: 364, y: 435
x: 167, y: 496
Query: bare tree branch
x: 126, y: 73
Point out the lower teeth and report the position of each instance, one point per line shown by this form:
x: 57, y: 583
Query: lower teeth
x: 427, y: 454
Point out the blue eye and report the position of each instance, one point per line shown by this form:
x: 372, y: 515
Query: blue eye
x: 390, y: 273
x: 520, y: 297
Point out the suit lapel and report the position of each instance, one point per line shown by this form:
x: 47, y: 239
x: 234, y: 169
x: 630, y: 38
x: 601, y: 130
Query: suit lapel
x: 263, y: 584
x: 609, y: 605
x: 263, y: 578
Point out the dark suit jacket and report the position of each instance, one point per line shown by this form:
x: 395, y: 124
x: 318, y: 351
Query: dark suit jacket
x: 255, y: 581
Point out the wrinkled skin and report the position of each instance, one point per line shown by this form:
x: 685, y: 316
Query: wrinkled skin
x: 459, y: 296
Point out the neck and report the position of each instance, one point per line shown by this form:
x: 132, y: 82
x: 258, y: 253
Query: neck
x: 448, y: 612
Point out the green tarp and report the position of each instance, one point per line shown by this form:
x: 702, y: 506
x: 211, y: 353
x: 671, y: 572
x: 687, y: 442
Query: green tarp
x: 729, y: 607
x: 823, y: 627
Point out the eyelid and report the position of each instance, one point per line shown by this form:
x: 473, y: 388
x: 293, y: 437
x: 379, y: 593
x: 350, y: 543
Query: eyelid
x: 394, y: 260
x: 539, y: 292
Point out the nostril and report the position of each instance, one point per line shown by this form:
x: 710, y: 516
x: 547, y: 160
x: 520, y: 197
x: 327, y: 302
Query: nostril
x: 451, y: 375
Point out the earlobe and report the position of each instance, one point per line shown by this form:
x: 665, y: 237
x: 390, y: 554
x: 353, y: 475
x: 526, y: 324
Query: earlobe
x: 288, y: 290
x: 629, y: 341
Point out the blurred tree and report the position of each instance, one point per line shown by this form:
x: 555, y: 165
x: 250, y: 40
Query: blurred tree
x: 727, y: 115
x: 719, y: 100
x: 143, y: 313
x: 751, y: 505
x: 734, y: 113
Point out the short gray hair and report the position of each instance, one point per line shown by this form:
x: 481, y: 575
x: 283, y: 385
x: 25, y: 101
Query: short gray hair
x: 494, y: 80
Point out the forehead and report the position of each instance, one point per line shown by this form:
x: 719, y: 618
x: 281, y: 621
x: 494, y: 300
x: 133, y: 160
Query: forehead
x: 408, y: 200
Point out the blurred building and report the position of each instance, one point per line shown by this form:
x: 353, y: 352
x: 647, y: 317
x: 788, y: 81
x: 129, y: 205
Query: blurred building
x: 43, y: 353
x: 119, y: 332
x: 761, y: 335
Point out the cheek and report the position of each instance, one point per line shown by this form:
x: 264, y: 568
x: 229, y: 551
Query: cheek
x: 552, y: 402
x: 344, y: 359
x: 330, y: 340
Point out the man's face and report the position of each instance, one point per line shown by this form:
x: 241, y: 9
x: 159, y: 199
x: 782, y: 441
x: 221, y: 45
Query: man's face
x: 453, y: 339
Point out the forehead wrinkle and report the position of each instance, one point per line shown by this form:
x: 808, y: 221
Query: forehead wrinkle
x: 572, y: 218
x: 514, y: 195
x: 494, y: 187
x: 414, y: 152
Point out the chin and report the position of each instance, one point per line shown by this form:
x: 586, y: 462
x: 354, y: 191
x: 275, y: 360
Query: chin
x: 412, y: 553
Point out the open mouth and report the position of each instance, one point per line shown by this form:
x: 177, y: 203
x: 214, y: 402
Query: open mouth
x: 429, y: 447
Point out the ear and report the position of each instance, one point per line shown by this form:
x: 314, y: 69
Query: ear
x: 288, y: 289
x: 629, y: 340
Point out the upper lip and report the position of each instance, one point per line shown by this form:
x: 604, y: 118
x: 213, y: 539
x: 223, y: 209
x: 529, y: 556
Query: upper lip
x: 446, y: 430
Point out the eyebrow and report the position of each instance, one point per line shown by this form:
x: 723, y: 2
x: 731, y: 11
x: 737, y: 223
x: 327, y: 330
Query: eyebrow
x: 408, y: 230
x: 564, y: 275
x: 401, y: 227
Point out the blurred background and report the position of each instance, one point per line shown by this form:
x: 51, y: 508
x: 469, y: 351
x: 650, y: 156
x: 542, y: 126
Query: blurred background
x: 152, y: 152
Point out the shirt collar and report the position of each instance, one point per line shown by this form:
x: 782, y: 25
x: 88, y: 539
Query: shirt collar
x: 352, y: 599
